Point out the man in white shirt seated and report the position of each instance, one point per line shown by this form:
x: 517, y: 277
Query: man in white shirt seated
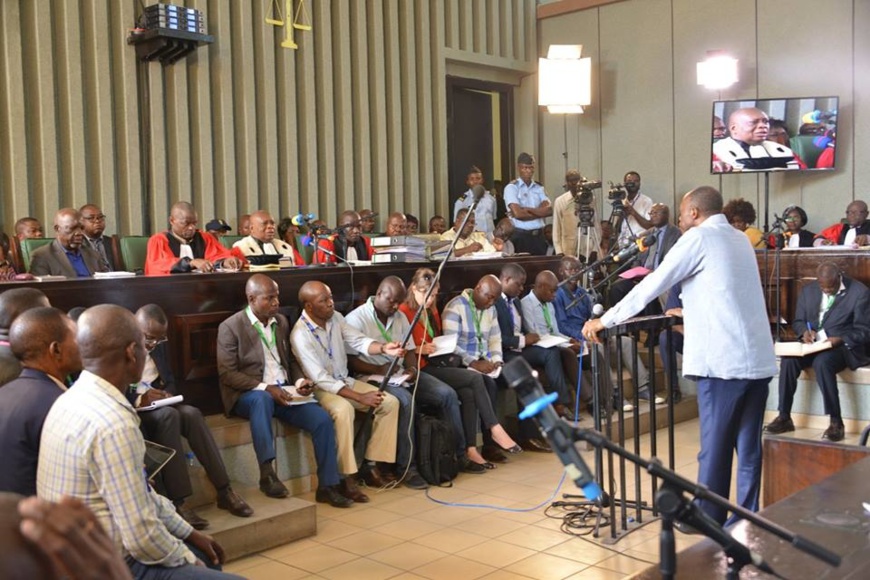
x: 318, y: 339
x: 469, y: 241
x: 263, y: 246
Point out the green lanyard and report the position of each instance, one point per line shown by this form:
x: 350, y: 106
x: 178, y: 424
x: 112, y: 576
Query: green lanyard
x: 384, y: 333
x: 547, y: 318
x: 828, y: 304
x: 477, y: 316
x: 258, y: 327
x: 428, y: 324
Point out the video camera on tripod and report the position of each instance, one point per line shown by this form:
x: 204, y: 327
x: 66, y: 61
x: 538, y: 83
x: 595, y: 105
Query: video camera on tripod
x: 583, y: 200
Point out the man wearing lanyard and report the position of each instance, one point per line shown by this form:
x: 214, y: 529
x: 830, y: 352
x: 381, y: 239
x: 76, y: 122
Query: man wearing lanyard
x: 528, y: 206
x: 517, y: 340
x: 260, y: 379
x: 834, y: 308
x: 318, y: 339
x: 539, y: 316
x: 379, y: 318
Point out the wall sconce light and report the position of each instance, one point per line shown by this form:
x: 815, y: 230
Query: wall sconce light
x: 564, y: 79
x: 719, y: 71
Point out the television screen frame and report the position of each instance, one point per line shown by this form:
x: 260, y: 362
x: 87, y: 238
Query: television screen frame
x: 811, y: 123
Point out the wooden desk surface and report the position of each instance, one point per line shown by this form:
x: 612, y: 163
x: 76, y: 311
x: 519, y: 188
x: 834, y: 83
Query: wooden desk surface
x: 196, y: 304
x: 829, y: 513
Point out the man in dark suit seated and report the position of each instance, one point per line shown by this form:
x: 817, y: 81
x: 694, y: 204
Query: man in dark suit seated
x: 515, y: 341
x: 666, y: 235
x: 167, y: 425
x: 44, y: 340
x: 834, y: 308
x: 94, y: 224
x: 13, y: 303
x: 260, y: 379
x: 67, y: 255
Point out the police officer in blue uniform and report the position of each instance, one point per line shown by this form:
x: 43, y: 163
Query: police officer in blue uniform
x: 527, y: 205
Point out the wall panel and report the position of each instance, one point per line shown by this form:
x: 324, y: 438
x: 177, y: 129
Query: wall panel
x: 356, y: 117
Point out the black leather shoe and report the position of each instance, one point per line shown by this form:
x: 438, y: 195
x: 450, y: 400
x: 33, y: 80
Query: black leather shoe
x: 835, y: 432
x: 231, y: 501
x: 537, y: 445
x: 272, y: 486
x: 780, y: 425
x: 677, y: 396
x: 192, y: 518
x: 494, y: 454
x: 371, y: 475
x: 347, y: 487
x: 331, y: 496
x: 468, y: 466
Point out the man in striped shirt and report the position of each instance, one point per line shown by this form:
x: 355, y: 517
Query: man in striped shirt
x: 92, y: 449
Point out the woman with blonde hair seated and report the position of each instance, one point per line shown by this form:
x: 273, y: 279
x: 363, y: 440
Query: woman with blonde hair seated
x: 470, y: 386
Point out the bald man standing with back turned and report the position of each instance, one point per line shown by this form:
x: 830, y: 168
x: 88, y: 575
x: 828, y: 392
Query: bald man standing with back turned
x: 728, y: 349
x: 92, y: 449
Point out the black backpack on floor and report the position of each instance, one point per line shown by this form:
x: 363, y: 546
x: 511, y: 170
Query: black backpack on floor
x: 436, y: 450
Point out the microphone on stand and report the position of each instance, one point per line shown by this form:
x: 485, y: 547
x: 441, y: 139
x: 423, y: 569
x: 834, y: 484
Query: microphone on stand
x: 478, y: 191
x: 302, y: 219
x: 638, y: 246
x: 559, y: 432
x: 597, y: 310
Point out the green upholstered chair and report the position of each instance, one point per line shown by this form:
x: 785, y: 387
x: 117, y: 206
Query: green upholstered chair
x: 134, y: 250
x: 28, y: 246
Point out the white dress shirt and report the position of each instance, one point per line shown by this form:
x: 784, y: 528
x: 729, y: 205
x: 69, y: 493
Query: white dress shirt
x: 725, y: 318
x: 321, y: 351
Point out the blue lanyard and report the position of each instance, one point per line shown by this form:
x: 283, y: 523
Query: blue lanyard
x: 313, y: 332
x: 477, y: 317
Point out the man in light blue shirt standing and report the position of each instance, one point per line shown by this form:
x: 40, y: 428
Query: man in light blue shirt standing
x: 728, y: 348
x: 485, y: 212
x: 527, y: 205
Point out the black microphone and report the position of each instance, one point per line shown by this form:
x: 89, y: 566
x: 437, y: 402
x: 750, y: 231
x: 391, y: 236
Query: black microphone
x: 638, y: 246
x: 559, y: 432
x: 477, y: 192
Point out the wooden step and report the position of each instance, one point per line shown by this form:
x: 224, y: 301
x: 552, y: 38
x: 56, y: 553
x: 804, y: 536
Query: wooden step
x: 275, y: 522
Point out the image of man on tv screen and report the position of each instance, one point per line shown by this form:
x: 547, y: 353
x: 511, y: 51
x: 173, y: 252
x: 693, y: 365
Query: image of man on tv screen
x: 747, y: 147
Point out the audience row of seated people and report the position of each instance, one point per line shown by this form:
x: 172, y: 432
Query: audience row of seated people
x: 68, y: 408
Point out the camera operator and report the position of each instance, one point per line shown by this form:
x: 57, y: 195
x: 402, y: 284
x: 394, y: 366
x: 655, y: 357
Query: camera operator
x: 576, y: 229
x: 527, y: 205
x: 636, y: 207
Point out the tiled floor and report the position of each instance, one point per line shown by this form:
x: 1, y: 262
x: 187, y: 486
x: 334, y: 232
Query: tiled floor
x: 405, y: 534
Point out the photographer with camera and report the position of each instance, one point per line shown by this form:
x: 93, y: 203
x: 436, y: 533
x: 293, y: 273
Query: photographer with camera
x: 631, y: 216
x: 527, y: 205
x: 576, y: 230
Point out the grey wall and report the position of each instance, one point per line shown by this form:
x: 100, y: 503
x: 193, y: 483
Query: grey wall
x: 356, y: 117
x: 650, y: 115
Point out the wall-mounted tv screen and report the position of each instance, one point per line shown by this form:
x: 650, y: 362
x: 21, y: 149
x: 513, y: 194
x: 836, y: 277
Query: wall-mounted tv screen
x: 798, y: 134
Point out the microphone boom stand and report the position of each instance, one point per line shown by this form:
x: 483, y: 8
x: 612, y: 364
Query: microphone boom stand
x: 395, y: 360
x: 675, y: 507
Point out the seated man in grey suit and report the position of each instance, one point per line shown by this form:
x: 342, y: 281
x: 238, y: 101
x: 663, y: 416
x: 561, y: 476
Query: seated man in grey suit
x: 167, y: 425
x: 44, y: 340
x: 834, y: 308
x: 260, y: 379
x: 13, y: 303
x: 67, y: 255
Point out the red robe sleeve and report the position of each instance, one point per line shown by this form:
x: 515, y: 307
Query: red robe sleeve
x: 832, y: 233
x: 322, y: 257
x: 159, y: 259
